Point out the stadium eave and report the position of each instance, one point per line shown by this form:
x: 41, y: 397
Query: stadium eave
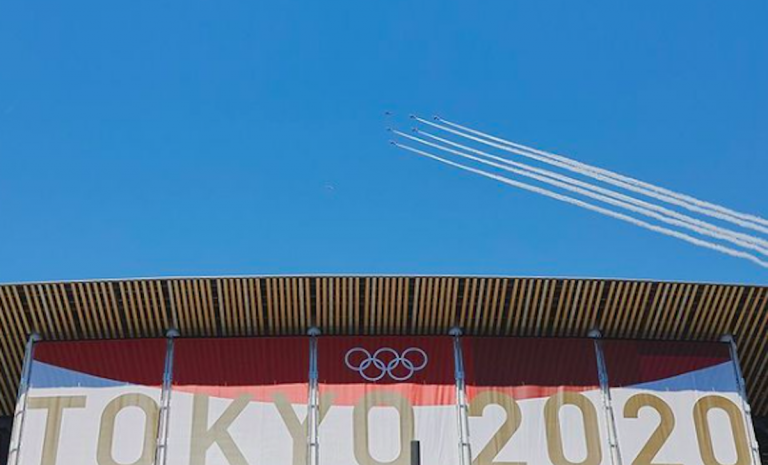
x: 506, y: 306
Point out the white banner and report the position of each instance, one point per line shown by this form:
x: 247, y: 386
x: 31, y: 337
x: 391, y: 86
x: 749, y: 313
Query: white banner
x: 535, y: 401
x: 239, y: 402
x: 380, y: 394
x: 677, y: 403
x: 93, y: 403
x: 531, y: 401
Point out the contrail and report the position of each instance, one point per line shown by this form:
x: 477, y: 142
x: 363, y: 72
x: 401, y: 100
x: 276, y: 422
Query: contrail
x: 641, y: 184
x: 603, y: 198
x: 592, y: 207
x: 617, y: 195
x: 675, y: 199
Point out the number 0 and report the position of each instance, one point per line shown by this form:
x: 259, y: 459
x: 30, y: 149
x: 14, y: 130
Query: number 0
x: 704, y: 434
x: 360, y: 421
x: 554, y: 430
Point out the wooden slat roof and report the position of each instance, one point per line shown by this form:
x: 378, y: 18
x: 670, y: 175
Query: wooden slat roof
x: 252, y: 306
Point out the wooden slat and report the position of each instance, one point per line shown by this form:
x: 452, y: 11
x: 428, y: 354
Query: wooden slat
x: 298, y: 308
x: 384, y: 308
x: 191, y: 299
x: 759, y: 340
x: 566, y: 295
x: 104, y: 309
x: 207, y: 301
x: 542, y: 320
x: 146, y: 327
x: 480, y: 305
x: 428, y: 306
x: 15, y: 327
x: 187, y: 308
x: 512, y: 306
x: 357, y: 307
x: 746, y: 335
x: 591, y: 320
x: 284, y: 306
x: 581, y: 314
x: 269, y: 303
x: 12, y: 336
x: 673, y: 313
x: 466, y: 306
x: 11, y: 345
x: 366, y: 319
x: 400, y: 307
x: 680, y: 323
x: 374, y: 293
x: 700, y: 316
x: 45, y: 296
x: 439, y: 313
x: 14, y: 333
x: 257, y: 286
x: 526, y: 297
x: 747, y: 311
x: 243, y: 310
x: 225, y: 306
x: 206, y: 321
x: 454, y: 303
x: 499, y: 301
x: 724, y: 325
x: 665, y: 303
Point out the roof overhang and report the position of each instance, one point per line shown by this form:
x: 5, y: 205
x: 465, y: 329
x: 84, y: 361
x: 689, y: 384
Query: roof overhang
x: 276, y: 305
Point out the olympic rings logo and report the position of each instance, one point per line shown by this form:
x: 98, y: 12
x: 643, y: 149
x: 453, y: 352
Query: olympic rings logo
x: 386, y: 362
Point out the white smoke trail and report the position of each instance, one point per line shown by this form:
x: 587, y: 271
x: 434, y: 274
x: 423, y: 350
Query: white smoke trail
x: 603, y: 198
x: 547, y: 158
x: 595, y: 208
x: 636, y: 182
x: 640, y: 203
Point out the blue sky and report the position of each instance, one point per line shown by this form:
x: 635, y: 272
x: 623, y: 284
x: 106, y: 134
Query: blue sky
x: 159, y: 138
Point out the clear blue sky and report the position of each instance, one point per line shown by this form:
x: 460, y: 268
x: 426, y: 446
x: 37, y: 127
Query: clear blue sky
x: 168, y: 137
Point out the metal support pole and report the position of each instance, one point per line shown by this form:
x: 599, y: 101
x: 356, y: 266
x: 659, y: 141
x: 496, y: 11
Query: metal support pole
x: 14, y: 453
x: 313, y: 412
x: 465, y: 451
x: 161, y: 452
x: 415, y: 453
x: 610, y: 420
x: 753, y: 446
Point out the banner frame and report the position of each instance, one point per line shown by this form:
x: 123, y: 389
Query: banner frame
x: 161, y: 448
x: 753, y: 446
x: 465, y: 450
x: 21, y: 400
x: 605, y: 389
x: 313, y: 407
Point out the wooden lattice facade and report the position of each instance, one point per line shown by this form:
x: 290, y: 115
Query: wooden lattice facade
x: 252, y: 306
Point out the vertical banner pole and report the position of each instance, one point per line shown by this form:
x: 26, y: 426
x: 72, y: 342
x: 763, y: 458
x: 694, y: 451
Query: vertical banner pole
x: 744, y: 401
x: 313, y: 455
x: 14, y: 453
x: 605, y: 390
x: 465, y: 452
x: 161, y: 453
x: 415, y: 453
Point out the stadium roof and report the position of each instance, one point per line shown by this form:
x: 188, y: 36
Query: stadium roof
x: 254, y: 306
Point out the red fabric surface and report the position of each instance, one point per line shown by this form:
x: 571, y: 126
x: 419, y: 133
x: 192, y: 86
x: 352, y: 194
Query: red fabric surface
x: 529, y: 367
x: 232, y: 367
x: 634, y: 362
x: 136, y: 361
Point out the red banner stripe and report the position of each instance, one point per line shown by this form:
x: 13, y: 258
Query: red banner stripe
x: 134, y: 361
